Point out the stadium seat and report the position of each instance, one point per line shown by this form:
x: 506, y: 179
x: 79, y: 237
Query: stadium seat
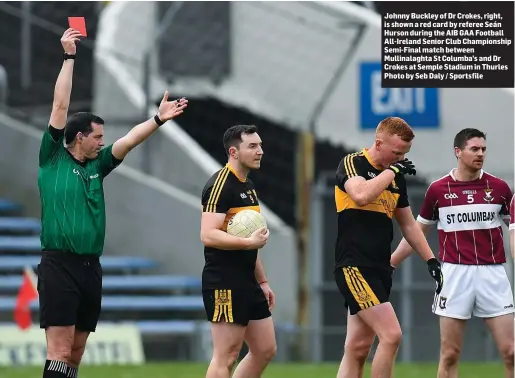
x: 109, y: 263
x: 26, y: 225
x: 152, y: 282
x: 7, y: 206
x: 126, y: 283
x: 131, y: 303
x: 20, y: 244
x: 159, y: 327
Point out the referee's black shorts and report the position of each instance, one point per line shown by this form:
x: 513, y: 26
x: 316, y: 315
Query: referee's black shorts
x: 70, y: 290
x: 363, y: 287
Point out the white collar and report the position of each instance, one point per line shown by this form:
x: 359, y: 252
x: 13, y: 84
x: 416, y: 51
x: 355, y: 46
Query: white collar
x: 451, y: 173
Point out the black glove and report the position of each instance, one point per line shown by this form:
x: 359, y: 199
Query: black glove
x: 435, y: 270
x: 403, y: 167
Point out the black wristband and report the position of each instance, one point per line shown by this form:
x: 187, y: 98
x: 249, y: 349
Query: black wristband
x: 68, y: 56
x: 158, y: 121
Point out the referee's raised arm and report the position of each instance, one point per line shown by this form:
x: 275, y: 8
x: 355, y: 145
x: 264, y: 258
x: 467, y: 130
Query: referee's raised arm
x: 53, y: 138
x: 63, y: 86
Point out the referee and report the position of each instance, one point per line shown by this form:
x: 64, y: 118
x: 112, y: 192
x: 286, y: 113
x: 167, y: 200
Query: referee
x: 72, y: 167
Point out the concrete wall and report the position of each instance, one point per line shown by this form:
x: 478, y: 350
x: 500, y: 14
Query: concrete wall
x: 19, y: 152
x: 166, y: 160
x: 119, y: 93
x: 128, y: 46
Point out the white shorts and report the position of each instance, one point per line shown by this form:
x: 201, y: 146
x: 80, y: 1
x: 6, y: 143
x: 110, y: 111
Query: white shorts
x: 483, y: 291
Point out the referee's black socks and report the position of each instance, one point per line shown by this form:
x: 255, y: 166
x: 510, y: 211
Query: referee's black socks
x: 55, y: 369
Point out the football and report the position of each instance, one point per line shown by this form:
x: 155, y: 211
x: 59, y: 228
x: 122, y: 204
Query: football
x: 245, y: 222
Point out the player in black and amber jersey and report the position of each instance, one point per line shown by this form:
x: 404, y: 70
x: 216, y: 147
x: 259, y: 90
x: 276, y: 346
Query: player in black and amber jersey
x: 228, y: 193
x: 365, y: 232
x: 370, y: 191
x: 237, y: 297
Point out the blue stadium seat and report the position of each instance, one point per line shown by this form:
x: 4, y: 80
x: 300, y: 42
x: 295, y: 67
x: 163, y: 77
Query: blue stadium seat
x: 129, y: 282
x: 28, y: 225
x: 7, y: 206
x: 159, y: 327
x: 132, y: 302
x: 151, y: 282
x: 20, y: 243
x: 109, y: 263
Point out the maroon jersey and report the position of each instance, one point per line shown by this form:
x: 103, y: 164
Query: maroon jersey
x: 512, y: 213
x: 469, y: 217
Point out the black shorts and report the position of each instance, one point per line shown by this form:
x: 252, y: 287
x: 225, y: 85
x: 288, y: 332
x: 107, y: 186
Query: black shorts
x: 70, y: 290
x: 363, y: 287
x: 238, y: 306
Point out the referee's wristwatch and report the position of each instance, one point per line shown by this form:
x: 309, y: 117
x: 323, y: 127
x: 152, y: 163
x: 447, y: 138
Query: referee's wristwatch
x: 68, y: 56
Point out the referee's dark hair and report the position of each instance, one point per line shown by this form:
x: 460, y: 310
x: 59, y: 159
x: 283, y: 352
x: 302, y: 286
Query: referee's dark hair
x: 232, y: 136
x: 80, y: 123
x: 461, y: 139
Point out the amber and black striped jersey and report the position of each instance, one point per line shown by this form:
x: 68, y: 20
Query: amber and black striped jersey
x: 228, y: 194
x: 365, y: 233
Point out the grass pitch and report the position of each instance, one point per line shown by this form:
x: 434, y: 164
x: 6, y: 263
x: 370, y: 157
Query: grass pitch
x: 275, y: 370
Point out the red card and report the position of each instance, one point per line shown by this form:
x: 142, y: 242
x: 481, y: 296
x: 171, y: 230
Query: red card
x: 78, y: 23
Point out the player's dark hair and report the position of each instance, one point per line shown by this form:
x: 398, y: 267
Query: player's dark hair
x: 80, y: 123
x: 232, y: 136
x: 461, y: 139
